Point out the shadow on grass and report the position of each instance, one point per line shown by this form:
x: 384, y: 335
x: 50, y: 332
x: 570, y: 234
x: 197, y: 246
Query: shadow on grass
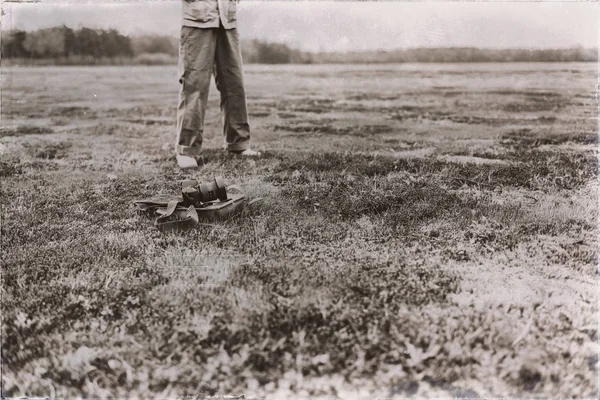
x: 525, y: 137
x: 532, y: 169
x: 23, y: 130
x: 8, y: 168
x: 401, y: 204
x: 322, y: 128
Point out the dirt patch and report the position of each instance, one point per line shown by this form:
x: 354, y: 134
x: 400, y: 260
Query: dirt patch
x: 473, y: 160
x: 414, y: 153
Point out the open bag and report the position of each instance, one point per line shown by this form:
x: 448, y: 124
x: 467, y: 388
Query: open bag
x: 198, y: 202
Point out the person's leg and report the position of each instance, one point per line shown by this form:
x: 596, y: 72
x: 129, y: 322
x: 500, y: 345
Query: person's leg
x: 196, y: 63
x: 229, y: 79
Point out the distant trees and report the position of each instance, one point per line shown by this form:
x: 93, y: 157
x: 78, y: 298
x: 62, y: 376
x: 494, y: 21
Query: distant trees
x: 64, y: 42
x: 458, y: 55
x: 261, y: 52
x: 63, y: 45
x: 155, y: 44
x: 12, y: 44
x: 45, y: 43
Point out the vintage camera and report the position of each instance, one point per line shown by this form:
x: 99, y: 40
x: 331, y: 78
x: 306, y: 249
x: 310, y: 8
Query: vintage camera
x: 196, y: 193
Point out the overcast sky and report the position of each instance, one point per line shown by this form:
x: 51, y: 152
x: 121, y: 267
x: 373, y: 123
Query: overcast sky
x: 344, y: 25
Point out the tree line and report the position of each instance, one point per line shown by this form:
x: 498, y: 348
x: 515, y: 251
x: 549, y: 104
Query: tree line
x: 84, y: 45
x: 63, y: 45
x: 63, y: 41
x: 461, y: 55
x: 261, y: 52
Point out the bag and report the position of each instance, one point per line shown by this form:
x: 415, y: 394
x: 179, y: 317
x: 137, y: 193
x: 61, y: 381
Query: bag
x: 198, y: 202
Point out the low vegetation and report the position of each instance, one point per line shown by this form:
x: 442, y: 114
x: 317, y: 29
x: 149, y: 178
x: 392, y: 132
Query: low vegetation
x: 426, y: 259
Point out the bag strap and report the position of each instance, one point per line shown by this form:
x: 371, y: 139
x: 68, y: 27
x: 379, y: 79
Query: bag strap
x: 189, y: 219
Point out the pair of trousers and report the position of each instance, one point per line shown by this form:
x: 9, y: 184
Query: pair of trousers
x: 202, y: 53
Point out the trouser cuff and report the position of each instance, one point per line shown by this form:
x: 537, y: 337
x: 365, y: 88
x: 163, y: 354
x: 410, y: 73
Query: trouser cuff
x: 191, y: 151
x: 238, y: 146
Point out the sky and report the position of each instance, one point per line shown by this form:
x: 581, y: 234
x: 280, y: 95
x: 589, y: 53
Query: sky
x: 343, y: 25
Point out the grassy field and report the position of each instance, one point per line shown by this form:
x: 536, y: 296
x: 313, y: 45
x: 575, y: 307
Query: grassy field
x: 425, y: 230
